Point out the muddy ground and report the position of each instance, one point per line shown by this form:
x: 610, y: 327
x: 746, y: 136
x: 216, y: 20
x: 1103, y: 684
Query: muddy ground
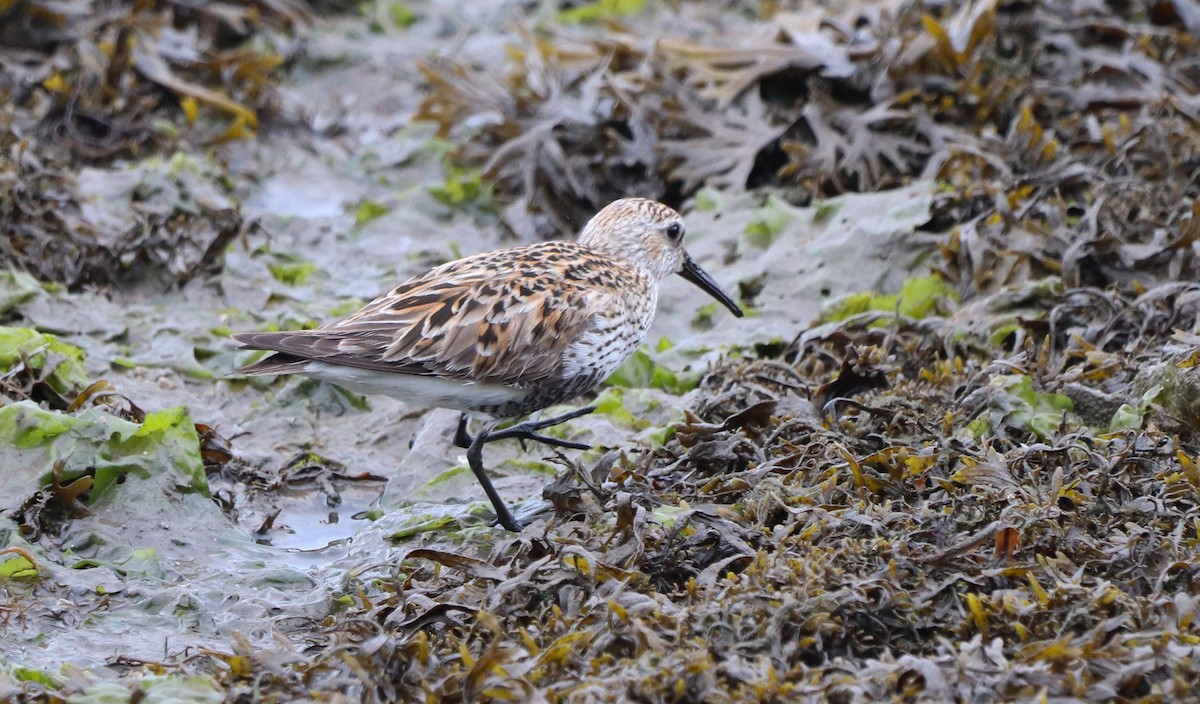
x: 949, y: 454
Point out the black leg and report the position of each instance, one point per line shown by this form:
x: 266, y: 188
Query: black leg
x: 462, y: 438
x: 475, y: 459
x: 526, y: 431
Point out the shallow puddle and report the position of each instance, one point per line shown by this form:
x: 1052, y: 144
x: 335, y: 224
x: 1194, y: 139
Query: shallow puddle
x: 307, y: 523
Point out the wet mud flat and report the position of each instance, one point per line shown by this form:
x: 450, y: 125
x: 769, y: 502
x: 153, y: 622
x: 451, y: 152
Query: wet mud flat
x: 950, y: 454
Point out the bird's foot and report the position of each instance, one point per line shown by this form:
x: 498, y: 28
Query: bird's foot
x: 528, y: 430
x: 522, y: 431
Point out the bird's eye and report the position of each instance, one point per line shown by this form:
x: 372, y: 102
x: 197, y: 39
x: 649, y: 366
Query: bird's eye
x: 674, y: 231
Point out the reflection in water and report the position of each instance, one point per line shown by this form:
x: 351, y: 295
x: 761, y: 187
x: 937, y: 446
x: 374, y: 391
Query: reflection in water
x: 307, y: 522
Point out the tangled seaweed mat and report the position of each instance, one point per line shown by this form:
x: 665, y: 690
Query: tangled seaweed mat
x: 967, y: 533
x: 91, y: 84
x: 992, y: 498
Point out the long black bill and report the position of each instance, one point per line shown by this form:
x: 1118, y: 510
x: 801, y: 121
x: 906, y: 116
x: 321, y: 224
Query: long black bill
x: 692, y: 272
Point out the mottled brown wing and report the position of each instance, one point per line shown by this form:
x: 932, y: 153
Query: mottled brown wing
x: 491, y: 318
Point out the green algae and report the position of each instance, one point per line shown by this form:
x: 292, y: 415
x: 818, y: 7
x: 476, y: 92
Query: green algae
x: 31, y: 674
x: 541, y: 467
x: 1017, y: 402
x: 17, y: 287
x: 346, y: 307
x: 57, y: 447
x: 17, y: 567
x: 704, y: 317
x: 656, y: 436
x: 600, y: 10
x: 441, y: 479
x: 825, y: 212
x: 611, y: 403
x: 463, y: 189
x: 424, y: 523
x: 39, y: 350
x: 369, y: 210
x: 403, y: 16
x: 154, y: 689
x: 641, y: 371
x: 292, y: 271
x: 768, y: 221
x: 919, y: 298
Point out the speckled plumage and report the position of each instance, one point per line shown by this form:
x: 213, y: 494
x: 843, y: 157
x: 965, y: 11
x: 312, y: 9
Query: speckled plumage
x: 506, y: 332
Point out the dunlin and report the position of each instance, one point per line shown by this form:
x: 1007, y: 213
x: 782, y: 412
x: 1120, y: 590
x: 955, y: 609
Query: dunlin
x: 504, y: 333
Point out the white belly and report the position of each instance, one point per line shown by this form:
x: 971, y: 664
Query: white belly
x: 425, y: 391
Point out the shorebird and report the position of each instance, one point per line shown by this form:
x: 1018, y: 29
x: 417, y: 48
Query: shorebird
x: 504, y: 333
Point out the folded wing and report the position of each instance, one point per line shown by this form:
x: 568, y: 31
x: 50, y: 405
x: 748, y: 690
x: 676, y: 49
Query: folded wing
x: 488, y: 318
